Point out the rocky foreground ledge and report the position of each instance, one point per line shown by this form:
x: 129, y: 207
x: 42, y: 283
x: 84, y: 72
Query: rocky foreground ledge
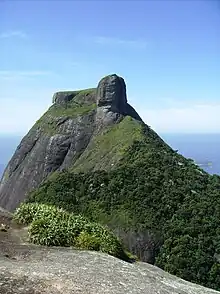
x: 62, y: 270
x: 30, y: 269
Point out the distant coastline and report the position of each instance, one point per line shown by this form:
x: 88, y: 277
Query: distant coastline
x: 203, y: 149
x: 204, y: 164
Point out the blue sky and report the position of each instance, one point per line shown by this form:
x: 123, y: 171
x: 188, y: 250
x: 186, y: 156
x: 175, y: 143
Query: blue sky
x: 167, y: 51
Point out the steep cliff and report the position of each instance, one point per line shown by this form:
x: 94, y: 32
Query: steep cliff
x: 75, y: 132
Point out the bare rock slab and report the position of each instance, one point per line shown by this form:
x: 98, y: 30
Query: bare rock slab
x: 53, y: 270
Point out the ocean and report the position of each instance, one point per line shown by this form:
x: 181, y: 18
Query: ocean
x: 202, y: 148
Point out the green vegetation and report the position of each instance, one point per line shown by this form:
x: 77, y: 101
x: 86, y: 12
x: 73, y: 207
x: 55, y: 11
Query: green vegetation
x: 109, y: 147
x: 82, y: 103
x: 80, y: 94
x: 51, y: 226
x: 163, y: 207
x: 153, y: 198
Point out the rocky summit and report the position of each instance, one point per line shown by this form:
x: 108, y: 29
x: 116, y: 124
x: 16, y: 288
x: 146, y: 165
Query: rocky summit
x: 59, y: 139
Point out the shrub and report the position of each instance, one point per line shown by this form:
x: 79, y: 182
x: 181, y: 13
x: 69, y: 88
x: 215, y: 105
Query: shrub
x: 27, y: 212
x: 51, y: 232
x: 108, y: 242
x: 52, y: 226
x: 87, y: 241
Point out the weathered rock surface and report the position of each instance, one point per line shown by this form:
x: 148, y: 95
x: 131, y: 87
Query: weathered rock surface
x: 63, y: 97
x: 62, y: 135
x: 109, y: 89
x: 30, y: 269
x: 53, y: 270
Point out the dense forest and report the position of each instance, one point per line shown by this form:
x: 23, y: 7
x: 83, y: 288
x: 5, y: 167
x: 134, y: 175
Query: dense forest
x: 164, y: 208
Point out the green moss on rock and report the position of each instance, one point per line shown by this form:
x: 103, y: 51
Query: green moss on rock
x: 106, y: 149
x: 82, y: 103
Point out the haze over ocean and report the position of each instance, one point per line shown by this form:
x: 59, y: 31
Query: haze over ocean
x: 203, y: 148
x: 8, y: 145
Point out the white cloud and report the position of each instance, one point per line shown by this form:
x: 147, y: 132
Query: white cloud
x: 197, y: 118
x: 139, y: 44
x: 12, y: 34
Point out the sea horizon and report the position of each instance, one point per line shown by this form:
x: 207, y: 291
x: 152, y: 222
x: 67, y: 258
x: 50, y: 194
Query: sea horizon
x: 200, y: 147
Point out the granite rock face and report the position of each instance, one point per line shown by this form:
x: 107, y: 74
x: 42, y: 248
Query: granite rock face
x: 63, y: 97
x: 46, y: 270
x: 62, y: 135
x: 109, y: 90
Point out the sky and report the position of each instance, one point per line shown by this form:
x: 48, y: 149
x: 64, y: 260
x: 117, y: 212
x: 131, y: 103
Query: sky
x: 168, y: 52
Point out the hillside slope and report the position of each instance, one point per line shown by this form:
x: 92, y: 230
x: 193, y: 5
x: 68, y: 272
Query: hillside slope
x: 165, y: 209
x: 100, y: 160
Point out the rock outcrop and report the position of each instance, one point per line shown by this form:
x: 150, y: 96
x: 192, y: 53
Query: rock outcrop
x: 63, y: 97
x: 108, y: 91
x: 59, y: 139
x: 53, y: 271
x: 27, y: 268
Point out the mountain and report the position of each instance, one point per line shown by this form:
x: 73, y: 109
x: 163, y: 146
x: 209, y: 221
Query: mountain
x: 75, y: 132
x: 91, y: 154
